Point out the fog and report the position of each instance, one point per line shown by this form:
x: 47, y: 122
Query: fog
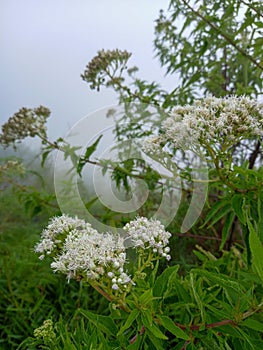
x: 46, y: 44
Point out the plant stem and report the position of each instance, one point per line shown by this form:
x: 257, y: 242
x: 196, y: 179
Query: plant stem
x: 224, y: 35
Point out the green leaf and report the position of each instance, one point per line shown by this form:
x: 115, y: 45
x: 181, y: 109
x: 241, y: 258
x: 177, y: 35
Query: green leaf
x: 91, y: 202
x: 182, y: 293
x: 214, y: 211
x: 246, y: 338
x: 253, y: 324
x: 157, y: 343
x: 103, y: 323
x: 162, y: 281
x: 146, y: 297
x: 156, y: 332
x: 221, y: 279
x: 260, y: 217
x: 259, y: 24
x: 147, y: 318
x: 256, y: 250
x: 227, y: 227
x: 135, y: 345
x: 172, y: 328
x: 44, y: 157
x: 131, y: 318
x: 103, y: 342
x: 89, y: 151
x: 237, y: 204
x: 225, y: 210
x: 198, y: 300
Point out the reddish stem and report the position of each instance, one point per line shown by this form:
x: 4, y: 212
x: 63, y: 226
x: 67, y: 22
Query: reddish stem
x: 207, y: 326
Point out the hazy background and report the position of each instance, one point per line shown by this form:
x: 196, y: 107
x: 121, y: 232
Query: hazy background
x: 46, y: 44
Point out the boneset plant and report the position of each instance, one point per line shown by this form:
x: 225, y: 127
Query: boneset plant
x: 155, y: 301
x: 208, y: 306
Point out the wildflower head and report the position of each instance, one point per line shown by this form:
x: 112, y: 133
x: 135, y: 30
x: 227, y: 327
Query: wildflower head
x: 93, y: 257
x: 214, y: 121
x: 105, y: 66
x: 149, y: 235
x: 53, y: 237
x: 82, y: 253
x: 12, y: 167
x: 46, y: 332
x: 26, y: 122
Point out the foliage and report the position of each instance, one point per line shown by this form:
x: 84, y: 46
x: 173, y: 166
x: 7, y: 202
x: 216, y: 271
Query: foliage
x: 204, y: 290
x: 214, y: 46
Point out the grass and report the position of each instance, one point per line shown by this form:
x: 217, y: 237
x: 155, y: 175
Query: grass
x: 29, y: 291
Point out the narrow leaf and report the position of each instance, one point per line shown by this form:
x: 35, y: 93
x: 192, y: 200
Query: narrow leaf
x: 161, y: 283
x: 156, y: 332
x: 222, y: 280
x: 227, y: 228
x: 89, y: 151
x: 253, y: 324
x: 131, y: 318
x: 172, y: 328
x: 147, y: 318
x: 256, y: 250
x: 237, y: 204
x: 226, y: 209
x: 215, y: 208
x: 197, y: 297
x: 103, y: 323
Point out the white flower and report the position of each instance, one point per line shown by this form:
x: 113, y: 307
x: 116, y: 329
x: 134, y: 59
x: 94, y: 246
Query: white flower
x: 148, y: 234
x: 80, y: 252
x: 210, y: 120
x: 55, y: 233
x: 152, y: 145
x: 115, y: 286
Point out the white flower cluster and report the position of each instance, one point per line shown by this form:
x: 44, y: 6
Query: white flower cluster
x: 92, y: 257
x: 212, y: 120
x: 81, y: 252
x: 149, y: 234
x: 54, y: 235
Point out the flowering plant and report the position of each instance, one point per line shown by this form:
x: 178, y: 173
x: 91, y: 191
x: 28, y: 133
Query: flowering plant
x: 156, y: 293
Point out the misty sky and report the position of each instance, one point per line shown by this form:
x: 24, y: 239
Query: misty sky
x: 46, y: 44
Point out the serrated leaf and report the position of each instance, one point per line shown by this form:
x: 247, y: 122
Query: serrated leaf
x: 168, y: 324
x: 131, y: 318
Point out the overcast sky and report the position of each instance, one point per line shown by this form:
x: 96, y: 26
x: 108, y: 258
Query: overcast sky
x: 46, y: 44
